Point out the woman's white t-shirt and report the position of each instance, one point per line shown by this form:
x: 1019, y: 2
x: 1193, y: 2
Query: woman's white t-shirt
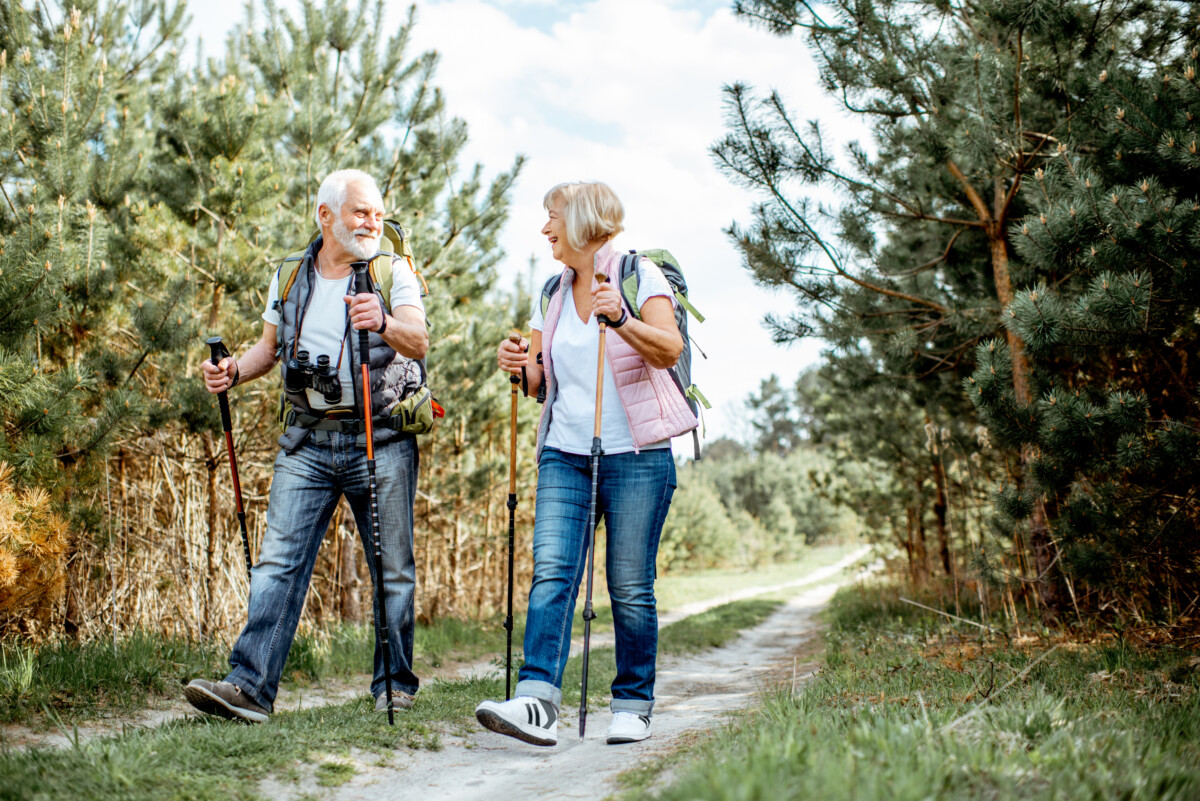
x: 576, y: 348
x: 324, y: 329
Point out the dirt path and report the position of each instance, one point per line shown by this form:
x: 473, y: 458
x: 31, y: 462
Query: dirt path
x: 606, y: 639
x: 693, y: 694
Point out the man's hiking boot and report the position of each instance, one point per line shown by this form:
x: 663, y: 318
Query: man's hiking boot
x: 224, y: 700
x: 530, y: 720
x: 627, y: 727
x: 400, y: 700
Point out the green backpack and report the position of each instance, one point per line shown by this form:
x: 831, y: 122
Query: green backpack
x: 629, y: 281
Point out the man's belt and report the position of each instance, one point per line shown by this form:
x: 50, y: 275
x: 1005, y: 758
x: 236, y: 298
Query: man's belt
x: 339, y: 420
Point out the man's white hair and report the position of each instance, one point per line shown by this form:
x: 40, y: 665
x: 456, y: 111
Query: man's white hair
x: 333, y: 190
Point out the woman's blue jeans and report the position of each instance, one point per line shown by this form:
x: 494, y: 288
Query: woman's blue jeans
x: 305, y: 491
x: 634, y: 493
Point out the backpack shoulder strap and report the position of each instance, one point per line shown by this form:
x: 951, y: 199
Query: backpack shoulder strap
x: 629, y: 281
x: 398, y: 241
x: 548, y: 290
x: 287, y: 272
x: 380, y: 270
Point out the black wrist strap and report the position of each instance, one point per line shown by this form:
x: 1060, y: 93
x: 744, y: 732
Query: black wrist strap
x: 237, y: 375
x: 383, y: 326
x: 525, y: 375
x: 619, y: 322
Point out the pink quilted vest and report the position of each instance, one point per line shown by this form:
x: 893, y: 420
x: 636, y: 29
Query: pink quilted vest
x: 652, y: 401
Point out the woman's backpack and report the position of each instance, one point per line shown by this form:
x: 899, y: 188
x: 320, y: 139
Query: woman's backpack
x: 628, y: 284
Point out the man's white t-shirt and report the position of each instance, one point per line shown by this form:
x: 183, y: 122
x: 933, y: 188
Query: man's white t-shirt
x: 325, y: 323
x: 576, y: 348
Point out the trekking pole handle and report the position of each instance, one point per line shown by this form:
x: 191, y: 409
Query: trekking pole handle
x: 218, y: 352
x: 603, y: 321
x: 515, y: 338
x: 362, y: 285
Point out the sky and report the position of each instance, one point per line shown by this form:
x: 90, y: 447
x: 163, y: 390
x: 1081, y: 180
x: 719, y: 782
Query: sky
x: 627, y: 92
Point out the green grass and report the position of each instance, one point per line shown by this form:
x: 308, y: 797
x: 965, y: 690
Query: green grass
x: 76, y: 680
x: 1102, y: 720
x: 334, y: 774
x: 714, y: 628
x: 69, y: 682
x: 212, y: 758
x: 345, y: 650
x: 215, y: 759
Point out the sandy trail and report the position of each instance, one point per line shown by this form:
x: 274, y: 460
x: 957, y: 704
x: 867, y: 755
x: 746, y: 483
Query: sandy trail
x: 693, y: 694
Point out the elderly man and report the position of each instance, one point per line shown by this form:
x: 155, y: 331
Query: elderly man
x: 323, y: 454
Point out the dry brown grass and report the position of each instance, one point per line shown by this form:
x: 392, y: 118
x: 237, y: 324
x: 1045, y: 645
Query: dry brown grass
x: 170, y: 557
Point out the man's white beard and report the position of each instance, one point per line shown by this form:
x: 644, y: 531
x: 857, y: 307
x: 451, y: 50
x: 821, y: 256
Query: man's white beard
x: 358, y: 247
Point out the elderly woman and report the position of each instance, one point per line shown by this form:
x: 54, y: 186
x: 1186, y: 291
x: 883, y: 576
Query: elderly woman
x: 642, y: 408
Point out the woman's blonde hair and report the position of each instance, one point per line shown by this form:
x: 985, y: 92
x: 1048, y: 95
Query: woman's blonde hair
x: 591, y: 209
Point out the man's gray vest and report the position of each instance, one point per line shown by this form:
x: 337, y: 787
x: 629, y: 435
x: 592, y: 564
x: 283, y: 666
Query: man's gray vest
x: 393, y: 377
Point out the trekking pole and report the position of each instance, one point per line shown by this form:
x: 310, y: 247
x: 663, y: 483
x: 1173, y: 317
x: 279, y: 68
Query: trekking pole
x: 362, y: 284
x: 219, y: 352
x: 512, y: 525
x: 589, y: 614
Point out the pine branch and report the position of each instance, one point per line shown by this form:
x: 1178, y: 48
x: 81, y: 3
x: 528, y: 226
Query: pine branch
x: 977, y: 203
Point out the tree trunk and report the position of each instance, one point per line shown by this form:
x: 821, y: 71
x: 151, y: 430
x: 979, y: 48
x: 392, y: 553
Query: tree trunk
x: 1039, y: 531
x: 995, y: 220
x: 940, y: 503
x: 906, y: 544
x: 916, y: 544
x: 350, y: 595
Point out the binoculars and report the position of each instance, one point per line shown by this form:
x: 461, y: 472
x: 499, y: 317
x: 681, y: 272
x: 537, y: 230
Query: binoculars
x: 321, y: 377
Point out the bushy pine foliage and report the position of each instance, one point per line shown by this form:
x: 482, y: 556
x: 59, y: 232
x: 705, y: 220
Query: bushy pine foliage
x: 82, y: 307
x: 904, y: 256
x: 1113, y: 330
x: 146, y: 202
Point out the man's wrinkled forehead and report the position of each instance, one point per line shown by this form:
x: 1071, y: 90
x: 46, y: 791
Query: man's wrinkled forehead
x: 359, y: 193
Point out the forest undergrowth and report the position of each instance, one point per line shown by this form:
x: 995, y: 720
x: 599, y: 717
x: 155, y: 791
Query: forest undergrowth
x: 912, y: 704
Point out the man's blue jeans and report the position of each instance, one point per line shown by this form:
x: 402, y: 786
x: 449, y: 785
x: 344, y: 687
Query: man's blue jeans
x: 634, y: 493
x: 304, y: 494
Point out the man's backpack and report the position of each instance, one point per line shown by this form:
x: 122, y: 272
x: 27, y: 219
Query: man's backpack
x: 628, y: 282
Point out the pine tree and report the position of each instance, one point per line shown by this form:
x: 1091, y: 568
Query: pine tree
x: 146, y: 203
x: 1111, y: 327
x: 81, y: 309
x: 73, y: 93
x: 295, y: 98
x: 964, y: 105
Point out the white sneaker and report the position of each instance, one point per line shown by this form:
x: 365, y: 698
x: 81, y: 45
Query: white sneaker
x: 531, y: 720
x: 627, y: 727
